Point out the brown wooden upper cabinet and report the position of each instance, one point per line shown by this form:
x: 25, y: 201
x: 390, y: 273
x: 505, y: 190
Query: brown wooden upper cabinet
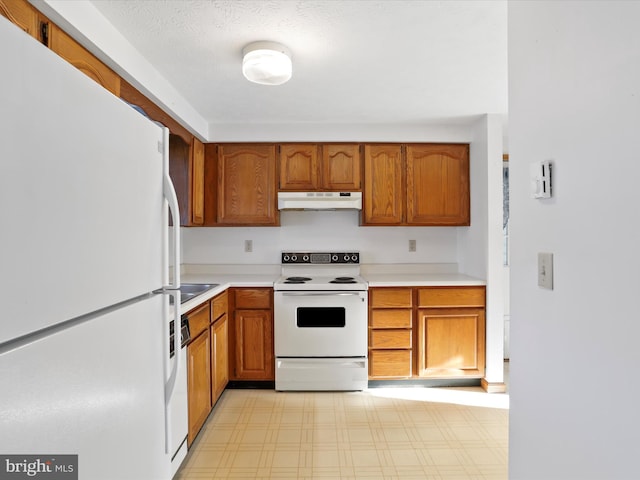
x: 299, y: 167
x: 186, y: 168
x: 417, y: 184
x: 246, y: 193
x: 197, y: 182
x: 79, y: 57
x: 384, y: 189
x: 22, y: 14
x: 314, y: 167
x: 438, y: 184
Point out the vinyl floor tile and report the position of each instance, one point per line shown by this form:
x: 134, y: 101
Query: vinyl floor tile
x: 377, y: 434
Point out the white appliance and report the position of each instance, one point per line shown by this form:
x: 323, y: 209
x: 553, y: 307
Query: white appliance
x: 84, y: 344
x: 320, y: 322
x: 319, y: 200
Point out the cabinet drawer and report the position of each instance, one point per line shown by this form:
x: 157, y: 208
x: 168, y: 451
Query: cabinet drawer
x: 390, y: 297
x: 451, y: 297
x: 390, y: 338
x: 198, y: 319
x: 390, y: 363
x: 391, y: 318
x: 253, y: 298
x: 219, y: 306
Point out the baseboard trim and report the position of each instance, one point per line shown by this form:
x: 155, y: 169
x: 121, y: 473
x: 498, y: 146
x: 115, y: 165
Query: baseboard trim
x: 493, y: 387
x: 251, y: 384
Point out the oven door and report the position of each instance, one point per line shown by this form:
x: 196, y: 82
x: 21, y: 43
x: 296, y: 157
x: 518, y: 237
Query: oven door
x: 320, y: 324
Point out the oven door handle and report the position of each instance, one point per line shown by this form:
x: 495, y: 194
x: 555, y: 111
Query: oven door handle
x: 319, y: 294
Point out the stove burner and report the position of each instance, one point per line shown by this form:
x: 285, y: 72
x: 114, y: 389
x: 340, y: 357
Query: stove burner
x: 296, y: 279
x: 343, y: 280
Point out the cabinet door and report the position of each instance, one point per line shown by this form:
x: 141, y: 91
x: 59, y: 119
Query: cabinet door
x: 179, y: 172
x: 196, y: 194
x: 82, y: 59
x: 198, y: 383
x: 341, y: 167
x: 247, y: 185
x: 298, y: 167
x: 219, y: 357
x: 383, y: 185
x: 254, y: 358
x: 186, y: 168
x: 21, y: 13
x: 438, y: 184
x: 451, y: 342
x: 210, y: 184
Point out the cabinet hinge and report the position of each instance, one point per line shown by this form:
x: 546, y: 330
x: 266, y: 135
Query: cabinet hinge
x: 44, y: 33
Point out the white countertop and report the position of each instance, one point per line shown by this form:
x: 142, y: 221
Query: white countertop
x: 421, y: 280
x: 265, y: 276
x: 224, y: 281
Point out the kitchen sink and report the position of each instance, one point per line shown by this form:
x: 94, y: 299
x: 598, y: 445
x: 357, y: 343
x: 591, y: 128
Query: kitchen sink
x: 196, y: 288
x: 192, y: 290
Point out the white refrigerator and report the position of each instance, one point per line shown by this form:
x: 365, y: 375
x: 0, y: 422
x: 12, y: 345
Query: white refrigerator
x: 84, y: 243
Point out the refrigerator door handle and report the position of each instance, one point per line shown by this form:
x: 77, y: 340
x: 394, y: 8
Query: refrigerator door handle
x: 170, y: 385
x: 172, y: 199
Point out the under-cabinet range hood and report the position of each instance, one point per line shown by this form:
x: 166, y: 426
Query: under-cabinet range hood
x: 319, y: 200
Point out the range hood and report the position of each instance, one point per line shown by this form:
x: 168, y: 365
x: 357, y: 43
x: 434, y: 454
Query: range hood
x: 319, y: 200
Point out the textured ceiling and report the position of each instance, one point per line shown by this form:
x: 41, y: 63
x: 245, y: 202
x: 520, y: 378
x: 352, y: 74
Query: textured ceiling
x: 356, y: 62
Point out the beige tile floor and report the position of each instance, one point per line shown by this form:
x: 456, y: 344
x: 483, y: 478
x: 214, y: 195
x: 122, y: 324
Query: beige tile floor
x: 381, y: 433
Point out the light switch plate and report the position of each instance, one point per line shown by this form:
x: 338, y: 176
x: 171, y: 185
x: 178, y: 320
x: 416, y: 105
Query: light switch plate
x: 545, y: 270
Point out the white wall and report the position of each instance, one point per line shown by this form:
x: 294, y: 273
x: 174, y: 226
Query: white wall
x: 326, y: 230
x: 480, y: 245
x: 574, y: 80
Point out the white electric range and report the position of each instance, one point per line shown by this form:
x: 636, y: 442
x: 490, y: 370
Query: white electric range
x: 320, y: 325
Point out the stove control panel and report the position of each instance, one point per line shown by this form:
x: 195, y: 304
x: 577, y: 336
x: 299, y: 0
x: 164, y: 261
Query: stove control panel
x: 317, y: 258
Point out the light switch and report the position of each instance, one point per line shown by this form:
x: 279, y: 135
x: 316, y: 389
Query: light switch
x: 545, y: 270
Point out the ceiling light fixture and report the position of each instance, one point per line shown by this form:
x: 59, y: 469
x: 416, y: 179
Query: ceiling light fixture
x: 266, y: 63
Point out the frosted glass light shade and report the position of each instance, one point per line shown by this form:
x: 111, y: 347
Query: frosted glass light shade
x: 266, y: 63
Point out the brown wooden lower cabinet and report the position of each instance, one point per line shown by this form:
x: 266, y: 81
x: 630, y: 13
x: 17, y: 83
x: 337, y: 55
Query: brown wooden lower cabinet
x: 426, y: 332
x: 207, y: 360
x: 451, y: 332
x: 219, y: 357
x: 198, y: 382
x: 254, y: 345
x: 251, y: 335
x: 390, y: 363
x: 390, y: 333
x: 451, y: 342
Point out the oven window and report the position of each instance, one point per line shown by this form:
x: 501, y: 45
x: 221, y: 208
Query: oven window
x: 314, y: 317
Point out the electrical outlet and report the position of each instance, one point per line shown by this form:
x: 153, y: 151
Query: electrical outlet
x: 248, y: 245
x: 545, y: 270
x: 412, y: 245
